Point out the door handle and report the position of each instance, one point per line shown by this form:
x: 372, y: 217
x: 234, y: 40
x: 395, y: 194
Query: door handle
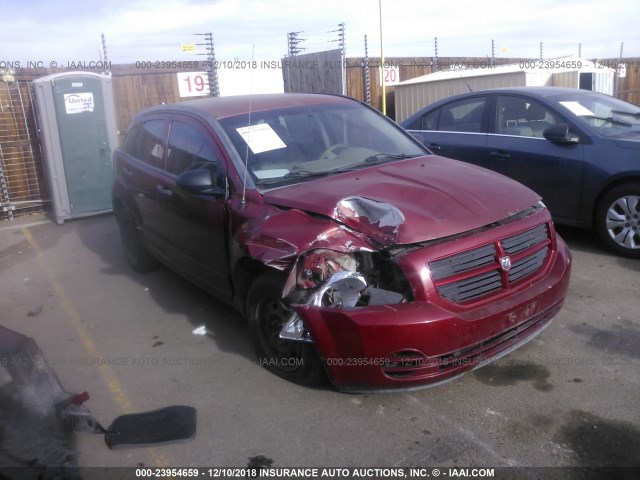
x: 164, y: 191
x: 127, y: 171
x: 433, y: 146
x: 500, y: 155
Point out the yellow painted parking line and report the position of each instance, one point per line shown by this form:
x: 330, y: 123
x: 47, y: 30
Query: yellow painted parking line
x: 106, y: 371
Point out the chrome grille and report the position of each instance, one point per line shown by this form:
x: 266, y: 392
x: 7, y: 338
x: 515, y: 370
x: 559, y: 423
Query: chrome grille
x: 469, y: 275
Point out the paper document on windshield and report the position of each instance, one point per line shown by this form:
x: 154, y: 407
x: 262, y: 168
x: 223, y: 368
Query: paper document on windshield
x: 577, y: 109
x: 261, y: 138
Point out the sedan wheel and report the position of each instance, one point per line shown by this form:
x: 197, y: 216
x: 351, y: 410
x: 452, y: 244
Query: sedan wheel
x: 618, y: 220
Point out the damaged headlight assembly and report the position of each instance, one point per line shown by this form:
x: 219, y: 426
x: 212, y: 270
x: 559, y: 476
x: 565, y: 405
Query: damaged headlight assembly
x: 328, y: 278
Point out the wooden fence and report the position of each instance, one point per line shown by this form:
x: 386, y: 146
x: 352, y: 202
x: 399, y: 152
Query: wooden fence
x: 23, y: 187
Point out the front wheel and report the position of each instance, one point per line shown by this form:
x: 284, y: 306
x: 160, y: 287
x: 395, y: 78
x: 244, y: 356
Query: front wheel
x: 295, y: 361
x: 618, y: 220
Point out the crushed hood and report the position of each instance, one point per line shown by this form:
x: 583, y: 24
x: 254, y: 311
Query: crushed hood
x: 410, y: 201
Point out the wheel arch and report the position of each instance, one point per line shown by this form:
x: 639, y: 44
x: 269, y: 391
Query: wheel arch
x: 613, y: 183
x: 246, y: 271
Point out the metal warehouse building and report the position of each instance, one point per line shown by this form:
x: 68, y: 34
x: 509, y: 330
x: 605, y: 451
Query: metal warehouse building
x: 573, y: 72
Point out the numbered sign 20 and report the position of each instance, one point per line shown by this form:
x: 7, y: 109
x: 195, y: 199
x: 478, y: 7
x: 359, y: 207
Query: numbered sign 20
x: 391, y: 75
x: 193, y: 84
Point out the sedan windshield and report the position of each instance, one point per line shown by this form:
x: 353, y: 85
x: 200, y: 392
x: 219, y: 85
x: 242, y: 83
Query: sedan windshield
x: 291, y: 145
x: 608, y: 116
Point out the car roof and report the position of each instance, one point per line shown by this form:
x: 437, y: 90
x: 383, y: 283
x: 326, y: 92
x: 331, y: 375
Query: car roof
x: 533, y: 92
x: 222, y: 107
x: 540, y: 92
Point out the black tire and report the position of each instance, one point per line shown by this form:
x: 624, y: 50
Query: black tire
x: 617, y: 220
x: 137, y: 256
x: 266, y: 314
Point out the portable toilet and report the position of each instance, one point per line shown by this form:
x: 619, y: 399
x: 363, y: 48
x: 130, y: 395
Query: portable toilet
x: 78, y: 133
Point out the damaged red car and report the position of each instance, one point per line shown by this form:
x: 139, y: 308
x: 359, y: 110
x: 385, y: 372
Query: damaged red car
x: 353, y: 252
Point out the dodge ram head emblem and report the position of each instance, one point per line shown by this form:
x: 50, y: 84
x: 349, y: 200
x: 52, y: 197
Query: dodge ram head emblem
x: 505, y: 263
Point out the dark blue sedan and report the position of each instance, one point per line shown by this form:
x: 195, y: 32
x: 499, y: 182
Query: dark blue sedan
x: 579, y: 150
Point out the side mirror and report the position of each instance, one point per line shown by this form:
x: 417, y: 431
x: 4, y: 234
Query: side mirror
x: 199, y: 182
x: 559, y: 133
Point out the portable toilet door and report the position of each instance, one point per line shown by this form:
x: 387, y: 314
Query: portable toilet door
x: 78, y: 133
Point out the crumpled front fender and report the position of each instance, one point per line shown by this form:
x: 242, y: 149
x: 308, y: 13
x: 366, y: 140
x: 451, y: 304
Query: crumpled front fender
x: 279, y: 239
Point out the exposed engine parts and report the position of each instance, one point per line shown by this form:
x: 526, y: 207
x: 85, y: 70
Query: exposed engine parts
x: 326, y: 278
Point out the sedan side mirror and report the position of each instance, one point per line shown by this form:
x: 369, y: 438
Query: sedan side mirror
x: 199, y: 182
x: 559, y: 133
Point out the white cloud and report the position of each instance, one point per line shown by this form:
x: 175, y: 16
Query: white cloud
x: 147, y: 30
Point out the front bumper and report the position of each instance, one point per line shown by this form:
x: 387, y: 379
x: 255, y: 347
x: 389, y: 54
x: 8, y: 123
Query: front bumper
x: 421, y: 343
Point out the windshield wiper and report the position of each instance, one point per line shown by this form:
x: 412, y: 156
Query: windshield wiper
x: 387, y: 156
x: 611, y: 120
x: 293, y: 174
x: 377, y: 158
x: 622, y: 112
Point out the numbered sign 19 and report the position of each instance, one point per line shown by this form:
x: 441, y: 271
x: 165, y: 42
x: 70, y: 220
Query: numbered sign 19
x: 390, y: 74
x: 193, y: 84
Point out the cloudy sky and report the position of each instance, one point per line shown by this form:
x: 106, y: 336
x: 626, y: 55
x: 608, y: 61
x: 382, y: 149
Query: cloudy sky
x: 140, y: 30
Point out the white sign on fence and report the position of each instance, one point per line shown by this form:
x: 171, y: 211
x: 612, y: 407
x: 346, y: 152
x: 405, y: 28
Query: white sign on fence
x: 391, y: 75
x: 193, y: 84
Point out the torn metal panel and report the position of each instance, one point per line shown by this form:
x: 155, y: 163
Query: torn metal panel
x: 279, y: 239
x: 379, y: 220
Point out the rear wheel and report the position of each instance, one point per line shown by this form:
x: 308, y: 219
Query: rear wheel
x: 296, y: 361
x: 618, y: 220
x: 135, y: 251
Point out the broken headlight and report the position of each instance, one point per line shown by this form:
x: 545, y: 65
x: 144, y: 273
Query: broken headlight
x: 349, y: 279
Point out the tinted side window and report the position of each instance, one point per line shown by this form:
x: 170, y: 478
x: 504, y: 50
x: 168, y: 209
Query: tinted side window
x: 131, y: 142
x: 146, y: 142
x: 189, y: 149
x: 522, y: 117
x: 462, y: 116
x: 429, y: 121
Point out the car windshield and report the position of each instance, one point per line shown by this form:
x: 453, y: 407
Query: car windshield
x: 608, y: 116
x: 295, y: 144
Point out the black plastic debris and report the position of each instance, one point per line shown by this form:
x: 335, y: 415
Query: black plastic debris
x: 166, y: 425
x: 37, y: 417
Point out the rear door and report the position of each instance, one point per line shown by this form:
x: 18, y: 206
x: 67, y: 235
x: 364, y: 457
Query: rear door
x: 143, y: 168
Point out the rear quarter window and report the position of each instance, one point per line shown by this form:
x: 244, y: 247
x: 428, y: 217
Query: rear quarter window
x: 146, y: 142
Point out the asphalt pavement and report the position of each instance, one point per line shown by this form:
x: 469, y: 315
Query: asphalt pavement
x: 568, y: 398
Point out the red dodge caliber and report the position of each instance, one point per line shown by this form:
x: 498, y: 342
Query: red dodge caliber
x: 353, y: 252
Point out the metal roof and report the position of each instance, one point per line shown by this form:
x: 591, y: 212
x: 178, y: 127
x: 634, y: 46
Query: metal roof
x: 526, y: 66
